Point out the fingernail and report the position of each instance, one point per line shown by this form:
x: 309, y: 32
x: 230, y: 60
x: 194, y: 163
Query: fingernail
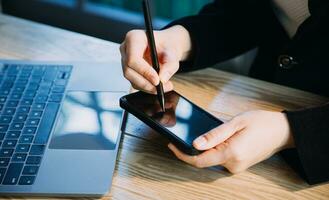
x: 200, y: 141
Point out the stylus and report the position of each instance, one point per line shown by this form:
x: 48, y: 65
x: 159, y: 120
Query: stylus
x: 154, y: 55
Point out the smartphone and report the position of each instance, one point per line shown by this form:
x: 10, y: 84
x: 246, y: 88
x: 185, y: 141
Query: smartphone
x: 181, y: 123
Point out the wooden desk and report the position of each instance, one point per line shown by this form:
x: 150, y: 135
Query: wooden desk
x: 145, y: 168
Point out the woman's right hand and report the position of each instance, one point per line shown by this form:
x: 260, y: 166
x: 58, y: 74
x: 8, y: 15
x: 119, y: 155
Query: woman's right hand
x: 173, y: 45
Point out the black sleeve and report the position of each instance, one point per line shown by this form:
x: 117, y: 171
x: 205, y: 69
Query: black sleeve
x: 310, y: 129
x: 225, y: 29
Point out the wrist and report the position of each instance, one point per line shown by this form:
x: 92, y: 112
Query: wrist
x: 182, y: 41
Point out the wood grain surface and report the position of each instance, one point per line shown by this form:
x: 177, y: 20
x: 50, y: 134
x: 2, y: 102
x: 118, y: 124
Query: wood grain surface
x: 145, y: 167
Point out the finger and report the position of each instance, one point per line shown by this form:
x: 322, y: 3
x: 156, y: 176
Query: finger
x: 138, y: 81
x: 167, y: 71
x: 169, y: 67
x: 135, y: 60
x: 153, y: 91
x: 167, y: 87
x: 217, y: 135
x: 212, y: 157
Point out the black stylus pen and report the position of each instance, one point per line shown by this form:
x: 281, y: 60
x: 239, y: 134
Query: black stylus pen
x: 154, y: 55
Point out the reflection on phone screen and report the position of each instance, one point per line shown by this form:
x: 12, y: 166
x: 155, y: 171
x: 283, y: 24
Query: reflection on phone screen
x: 182, y: 118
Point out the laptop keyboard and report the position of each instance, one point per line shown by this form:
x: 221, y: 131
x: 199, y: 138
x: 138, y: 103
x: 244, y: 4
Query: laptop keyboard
x: 30, y: 97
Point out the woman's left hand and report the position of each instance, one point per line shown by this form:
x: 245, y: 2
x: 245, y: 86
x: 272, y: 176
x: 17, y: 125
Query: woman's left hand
x: 242, y: 142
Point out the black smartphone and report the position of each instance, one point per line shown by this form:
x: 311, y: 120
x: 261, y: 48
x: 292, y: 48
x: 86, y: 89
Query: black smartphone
x: 182, y: 122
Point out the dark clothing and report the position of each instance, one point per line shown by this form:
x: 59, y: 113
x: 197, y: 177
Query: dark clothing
x: 227, y: 28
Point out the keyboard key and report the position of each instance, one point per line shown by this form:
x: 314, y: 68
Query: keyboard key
x: 36, y: 114
x: 6, y: 152
x: 4, y: 162
x: 3, y: 128
x: 19, y: 157
x: 16, y: 96
x: 43, y: 92
x: 38, y: 106
x: 20, y: 118
x: 25, y: 74
x: 8, y: 83
x: 22, y: 148
x: 44, y: 88
x: 4, y: 92
x: 12, y: 103
x: 32, y: 122
x: 2, y: 174
x: 26, y: 180
x: 23, y: 109
x: 46, y: 123
x: 16, y: 126
x: 5, y: 119
x: 12, y: 69
x: 18, y: 89
x: 9, y: 143
x: 35, y: 80
x: 58, y: 89
x: 60, y: 82
x: 41, y: 99
x: 12, y: 174
x: 29, y: 130
x: 26, y: 139
x: 3, y: 99
x: 33, y: 160
x: 11, y: 77
x: 46, y: 84
x: 33, y: 86
x: 26, y: 102
x: 37, y: 72
x: 50, y: 74
x: 37, y: 150
x: 30, y: 170
x: 29, y: 95
x: 13, y: 134
x: 9, y: 111
x: 22, y: 81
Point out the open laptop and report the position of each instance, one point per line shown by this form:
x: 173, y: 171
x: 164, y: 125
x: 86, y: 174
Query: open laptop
x: 59, y: 127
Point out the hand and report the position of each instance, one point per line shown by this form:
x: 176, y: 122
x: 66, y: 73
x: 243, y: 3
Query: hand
x: 173, y: 45
x: 242, y: 142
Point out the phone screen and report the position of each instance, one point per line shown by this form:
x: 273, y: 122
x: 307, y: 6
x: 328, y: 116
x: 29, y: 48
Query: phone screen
x: 182, y: 118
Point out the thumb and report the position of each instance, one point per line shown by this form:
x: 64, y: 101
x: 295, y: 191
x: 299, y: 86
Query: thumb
x: 217, y: 135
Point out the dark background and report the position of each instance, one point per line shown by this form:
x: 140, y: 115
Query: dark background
x: 106, y: 19
x: 112, y: 19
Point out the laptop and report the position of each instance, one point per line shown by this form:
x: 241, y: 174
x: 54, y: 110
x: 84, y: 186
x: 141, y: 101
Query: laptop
x: 60, y: 127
